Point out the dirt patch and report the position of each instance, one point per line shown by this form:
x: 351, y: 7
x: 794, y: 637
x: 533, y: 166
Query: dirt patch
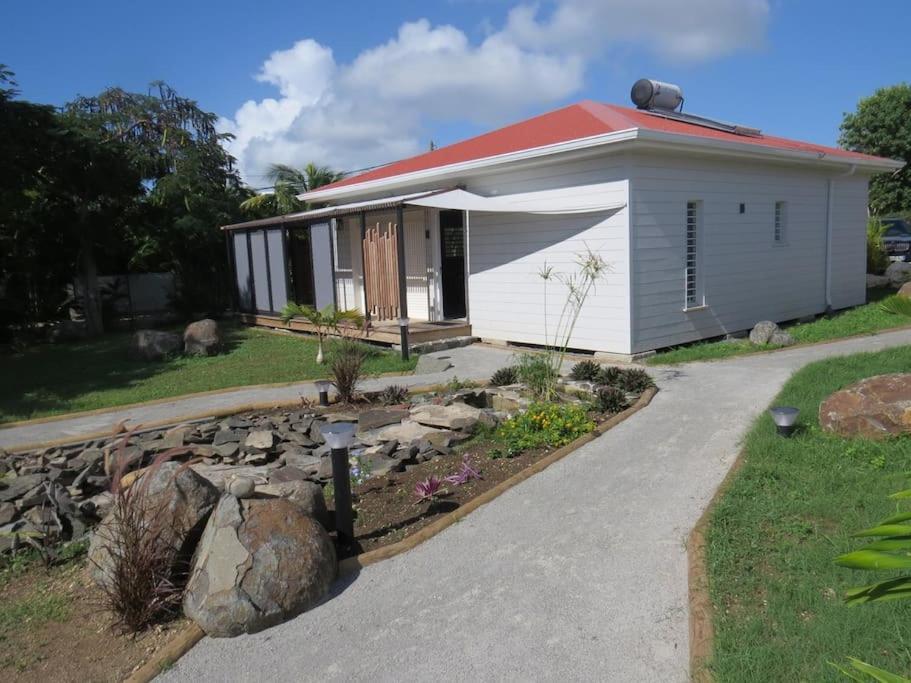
x: 53, y: 628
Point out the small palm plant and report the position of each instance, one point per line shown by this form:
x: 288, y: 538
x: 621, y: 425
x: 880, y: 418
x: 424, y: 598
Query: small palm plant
x: 325, y: 321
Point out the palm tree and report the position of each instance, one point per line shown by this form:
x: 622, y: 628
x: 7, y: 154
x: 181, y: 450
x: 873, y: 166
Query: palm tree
x: 330, y: 319
x: 288, y: 182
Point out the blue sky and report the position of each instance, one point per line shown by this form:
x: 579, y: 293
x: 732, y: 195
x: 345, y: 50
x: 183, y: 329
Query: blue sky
x: 354, y: 84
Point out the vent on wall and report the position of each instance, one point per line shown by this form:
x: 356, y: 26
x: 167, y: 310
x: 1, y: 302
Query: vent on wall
x: 666, y: 100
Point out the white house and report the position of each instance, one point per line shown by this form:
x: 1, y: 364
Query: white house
x: 707, y: 227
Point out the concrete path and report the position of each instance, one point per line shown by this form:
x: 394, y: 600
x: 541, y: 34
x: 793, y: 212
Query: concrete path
x: 468, y: 363
x: 578, y: 574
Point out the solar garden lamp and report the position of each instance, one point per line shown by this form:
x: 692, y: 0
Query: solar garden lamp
x: 785, y: 419
x: 339, y: 436
x: 403, y: 334
x: 322, y: 386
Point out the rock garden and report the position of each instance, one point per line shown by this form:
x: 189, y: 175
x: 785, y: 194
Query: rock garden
x: 232, y: 520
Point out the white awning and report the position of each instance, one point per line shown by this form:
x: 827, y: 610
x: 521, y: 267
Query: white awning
x: 585, y: 199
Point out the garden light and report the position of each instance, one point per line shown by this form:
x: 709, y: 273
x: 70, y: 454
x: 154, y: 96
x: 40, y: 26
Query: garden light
x: 785, y: 419
x: 403, y: 334
x: 339, y: 436
x: 322, y: 386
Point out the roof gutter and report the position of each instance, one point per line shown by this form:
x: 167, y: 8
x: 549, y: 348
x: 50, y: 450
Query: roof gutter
x: 641, y: 136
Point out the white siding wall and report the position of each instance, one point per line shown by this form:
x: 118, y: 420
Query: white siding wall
x: 849, y: 242
x: 506, y: 252
x: 747, y: 277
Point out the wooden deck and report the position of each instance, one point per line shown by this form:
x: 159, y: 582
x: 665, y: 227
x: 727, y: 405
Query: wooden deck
x: 384, y: 332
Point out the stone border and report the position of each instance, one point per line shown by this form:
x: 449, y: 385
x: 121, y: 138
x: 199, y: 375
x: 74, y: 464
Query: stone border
x: 188, y: 637
x: 195, y: 417
x: 761, y: 352
x: 180, y: 397
x: 701, y: 610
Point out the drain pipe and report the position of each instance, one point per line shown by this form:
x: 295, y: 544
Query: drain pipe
x: 829, y: 210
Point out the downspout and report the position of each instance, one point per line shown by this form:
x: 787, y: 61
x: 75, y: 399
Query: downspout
x: 467, y: 266
x: 829, y: 211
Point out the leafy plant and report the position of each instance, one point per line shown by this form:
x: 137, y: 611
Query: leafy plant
x: 891, y: 552
x: 635, y: 380
x: 504, y: 376
x: 896, y: 305
x: 609, y: 375
x: 586, y: 370
x: 428, y: 489
x: 611, y: 400
x: 359, y: 469
x: 536, y: 371
x: 347, y: 366
x: 393, y: 395
x: 455, y: 384
x: 542, y: 425
x: 464, y: 474
x: 590, y: 269
x: 327, y: 320
x: 877, y: 257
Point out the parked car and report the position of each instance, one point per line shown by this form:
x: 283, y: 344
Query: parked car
x: 897, y: 239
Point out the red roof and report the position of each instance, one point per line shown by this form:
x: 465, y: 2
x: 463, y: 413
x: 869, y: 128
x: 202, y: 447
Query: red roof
x: 580, y: 120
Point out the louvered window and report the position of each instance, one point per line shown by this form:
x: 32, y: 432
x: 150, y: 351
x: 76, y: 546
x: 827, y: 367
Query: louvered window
x: 781, y: 216
x: 693, y: 274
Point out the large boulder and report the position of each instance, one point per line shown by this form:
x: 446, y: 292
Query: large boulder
x: 762, y: 332
x: 875, y: 408
x: 202, y: 338
x: 154, y: 345
x: 781, y: 338
x: 307, y: 495
x: 877, y: 281
x: 174, y: 499
x: 454, y: 416
x: 898, y: 273
x: 905, y: 290
x: 260, y: 561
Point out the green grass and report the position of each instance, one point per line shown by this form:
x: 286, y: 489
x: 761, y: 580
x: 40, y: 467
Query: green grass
x: 864, y: 319
x: 52, y: 379
x: 788, y: 513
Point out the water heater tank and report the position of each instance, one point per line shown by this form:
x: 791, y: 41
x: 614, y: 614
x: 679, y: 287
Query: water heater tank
x: 649, y: 94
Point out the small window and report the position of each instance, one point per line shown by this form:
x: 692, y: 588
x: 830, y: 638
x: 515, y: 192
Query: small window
x: 781, y: 220
x: 694, y: 296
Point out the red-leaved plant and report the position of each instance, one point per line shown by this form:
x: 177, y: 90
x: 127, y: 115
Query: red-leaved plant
x: 143, y: 568
x: 428, y: 489
x: 464, y: 474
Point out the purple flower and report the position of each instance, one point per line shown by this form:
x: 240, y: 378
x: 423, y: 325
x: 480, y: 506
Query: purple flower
x: 427, y: 489
x: 466, y: 473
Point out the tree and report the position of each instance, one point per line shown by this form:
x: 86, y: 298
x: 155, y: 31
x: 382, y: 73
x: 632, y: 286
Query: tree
x: 287, y: 183
x: 330, y: 319
x: 882, y: 126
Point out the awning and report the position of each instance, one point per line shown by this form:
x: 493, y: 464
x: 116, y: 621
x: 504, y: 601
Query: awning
x: 584, y: 199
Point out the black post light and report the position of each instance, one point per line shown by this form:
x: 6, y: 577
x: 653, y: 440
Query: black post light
x: 339, y: 436
x: 403, y: 335
x: 785, y: 419
x: 322, y: 386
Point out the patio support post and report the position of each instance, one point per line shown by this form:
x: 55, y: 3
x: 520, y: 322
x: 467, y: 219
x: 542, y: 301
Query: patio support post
x: 363, y: 265
x: 403, y: 285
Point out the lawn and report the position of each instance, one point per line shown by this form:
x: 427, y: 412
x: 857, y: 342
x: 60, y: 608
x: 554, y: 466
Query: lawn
x: 52, y: 379
x: 864, y: 319
x: 788, y: 512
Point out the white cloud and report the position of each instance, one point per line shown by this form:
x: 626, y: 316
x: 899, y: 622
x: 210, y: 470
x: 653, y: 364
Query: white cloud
x: 377, y: 107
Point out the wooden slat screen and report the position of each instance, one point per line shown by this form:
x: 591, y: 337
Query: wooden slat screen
x: 381, y: 272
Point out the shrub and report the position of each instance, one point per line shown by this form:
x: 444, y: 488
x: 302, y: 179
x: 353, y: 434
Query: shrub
x: 877, y: 257
x: 586, y: 370
x: 536, y: 372
x: 896, y: 305
x: 609, y: 376
x: 504, y: 376
x: 146, y: 570
x: 542, y: 425
x: 611, y: 400
x: 347, y: 366
x: 393, y: 395
x: 635, y: 380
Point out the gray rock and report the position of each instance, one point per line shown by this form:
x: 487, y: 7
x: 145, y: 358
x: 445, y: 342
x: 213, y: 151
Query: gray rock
x: 307, y: 495
x: 782, y: 338
x: 507, y: 401
x: 289, y: 473
x: 241, y: 487
x: 877, y: 281
x: 380, y: 417
x: 302, y: 460
x: 263, y: 439
x: 7, y: 513
x: 453, y: 416
x: 202, y: 338
x: 218, y: 475
x: 405, y: 432
x: 18, y: 487
x: 428, y: 365
x: 260, y: 561
x: 154, y: 345
x: 898, y: 273
x: 224, y: 436
x: 178, y: 501
x: 380, y: 465
x: 762, y: 332
x: 227, y: 450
